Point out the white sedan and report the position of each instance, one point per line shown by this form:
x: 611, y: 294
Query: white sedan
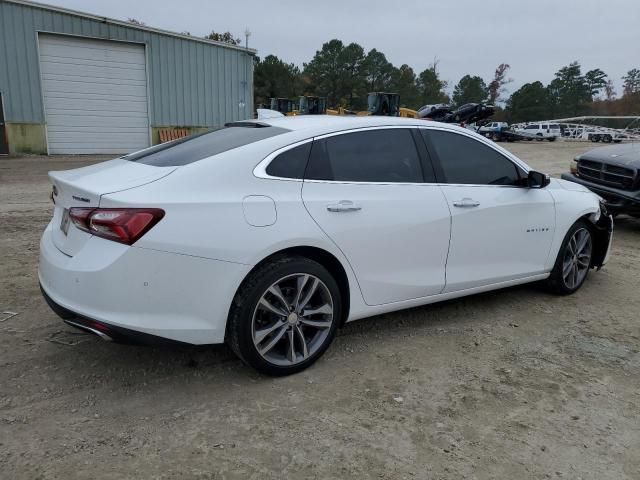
x: 271, y: 234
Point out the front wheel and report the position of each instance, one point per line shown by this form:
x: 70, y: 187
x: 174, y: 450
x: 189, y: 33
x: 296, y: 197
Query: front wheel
x: 573, y: 261
x: 284, y: 316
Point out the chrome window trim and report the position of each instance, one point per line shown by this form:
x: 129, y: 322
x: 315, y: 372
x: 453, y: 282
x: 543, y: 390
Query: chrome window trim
x: 260, y: 170
x: 479, y: 138
x: 364, y: 129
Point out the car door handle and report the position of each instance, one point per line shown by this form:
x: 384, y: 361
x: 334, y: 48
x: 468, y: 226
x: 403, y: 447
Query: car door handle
x: 343, y: 206
x: 466, y: 203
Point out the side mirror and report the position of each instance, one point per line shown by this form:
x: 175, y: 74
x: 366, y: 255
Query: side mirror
x: 537, y: 179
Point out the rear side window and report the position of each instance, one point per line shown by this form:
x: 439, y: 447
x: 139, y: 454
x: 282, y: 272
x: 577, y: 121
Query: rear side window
x: 194, y: 148
x: 385, y: 155
x: 464, y: 160
x: 291, y: 163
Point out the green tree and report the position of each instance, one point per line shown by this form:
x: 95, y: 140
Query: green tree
x: 631, y: 84
x: 324, y: 71
x: 404, y: 82
x: 431, y: 87
x: 351, y: 64
x: 529, y: 103
x: 569, y: 92
x: 378, y: 71
x: 337, y: 72
x: 469, y: 90
x: 226, y: 37
x: 497, y: 85
x: 273, y: 78
x: 596, y: 81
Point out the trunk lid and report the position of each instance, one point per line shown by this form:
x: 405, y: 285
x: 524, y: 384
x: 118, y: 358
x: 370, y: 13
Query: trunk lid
x: 83, y: 187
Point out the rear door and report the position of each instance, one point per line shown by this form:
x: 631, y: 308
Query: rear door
x: 500, y: 229
x: 367, y: 191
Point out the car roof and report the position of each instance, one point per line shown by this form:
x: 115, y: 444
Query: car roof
x: 314, y: 125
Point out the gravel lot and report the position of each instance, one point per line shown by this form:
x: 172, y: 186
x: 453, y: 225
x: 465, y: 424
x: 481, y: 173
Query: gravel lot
x: 511, y: 384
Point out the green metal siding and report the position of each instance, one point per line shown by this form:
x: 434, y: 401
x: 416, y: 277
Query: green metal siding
x: 190, y: 83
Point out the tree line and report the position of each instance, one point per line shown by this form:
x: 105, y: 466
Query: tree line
x: 345, y: 74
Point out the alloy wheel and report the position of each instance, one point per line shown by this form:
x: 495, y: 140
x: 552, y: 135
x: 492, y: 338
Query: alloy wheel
x: 577, y: 258
x: 292, y: 319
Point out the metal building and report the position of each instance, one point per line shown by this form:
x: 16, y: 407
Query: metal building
x: 72, y: 82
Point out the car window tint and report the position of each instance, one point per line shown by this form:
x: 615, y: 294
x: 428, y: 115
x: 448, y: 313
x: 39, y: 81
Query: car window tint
x: 385, y: 155
x: 545, y: 126
x: 469, y: 161
x: 531, y: 127
x: 291, y: 163
x: 191, y: 149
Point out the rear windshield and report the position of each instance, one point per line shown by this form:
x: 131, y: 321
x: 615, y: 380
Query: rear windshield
x: 191, y: 149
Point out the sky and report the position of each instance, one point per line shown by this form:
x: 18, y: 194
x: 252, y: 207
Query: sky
x: 535, y: 37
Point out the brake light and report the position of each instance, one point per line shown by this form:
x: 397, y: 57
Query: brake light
x: 124, y: 225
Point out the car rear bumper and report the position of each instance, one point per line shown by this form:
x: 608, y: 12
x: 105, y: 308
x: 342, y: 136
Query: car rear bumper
x: 136, y: 290
x: 616, y: 200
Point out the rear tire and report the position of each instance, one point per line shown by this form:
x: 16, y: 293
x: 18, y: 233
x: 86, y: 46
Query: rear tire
x: 574, y: 260
x: 284, y: 316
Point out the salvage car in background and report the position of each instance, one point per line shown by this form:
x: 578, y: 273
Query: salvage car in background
x: 612, y: 172
x: 271, y: 234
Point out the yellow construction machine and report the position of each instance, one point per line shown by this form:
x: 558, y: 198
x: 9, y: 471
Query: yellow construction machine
x: 379, y: 103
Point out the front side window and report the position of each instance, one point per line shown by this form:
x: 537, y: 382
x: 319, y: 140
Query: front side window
x: 531, y: 127
x: 464, y: 160
x: 384, y: 155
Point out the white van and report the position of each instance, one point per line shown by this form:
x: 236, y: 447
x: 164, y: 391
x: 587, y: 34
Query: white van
x: 540, y: 131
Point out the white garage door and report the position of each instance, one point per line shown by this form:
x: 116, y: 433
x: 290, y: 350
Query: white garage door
x: 95, y: 95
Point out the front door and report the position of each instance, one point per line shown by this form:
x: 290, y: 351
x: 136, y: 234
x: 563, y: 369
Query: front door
x: 4, y: 144
x: 500, y: 229
x: 367, y: 192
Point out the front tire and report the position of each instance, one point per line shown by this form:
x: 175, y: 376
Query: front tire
x: 573, y: 261
x: 284, y: 316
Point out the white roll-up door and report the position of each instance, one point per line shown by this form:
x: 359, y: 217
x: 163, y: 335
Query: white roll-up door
x: 95, y: 95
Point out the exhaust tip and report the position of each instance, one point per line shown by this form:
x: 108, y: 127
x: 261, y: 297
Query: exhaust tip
x: 91, y: 329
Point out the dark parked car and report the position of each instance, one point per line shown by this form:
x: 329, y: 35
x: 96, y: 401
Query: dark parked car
x: 613, y: 173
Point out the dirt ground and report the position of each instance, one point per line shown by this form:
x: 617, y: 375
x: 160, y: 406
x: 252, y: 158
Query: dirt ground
x: 511, y: 384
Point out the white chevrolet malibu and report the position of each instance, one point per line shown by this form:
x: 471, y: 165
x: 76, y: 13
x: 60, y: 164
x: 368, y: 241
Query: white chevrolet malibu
x: 269, y: 235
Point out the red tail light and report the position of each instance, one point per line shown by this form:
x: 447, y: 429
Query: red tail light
x: 124, y: 225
